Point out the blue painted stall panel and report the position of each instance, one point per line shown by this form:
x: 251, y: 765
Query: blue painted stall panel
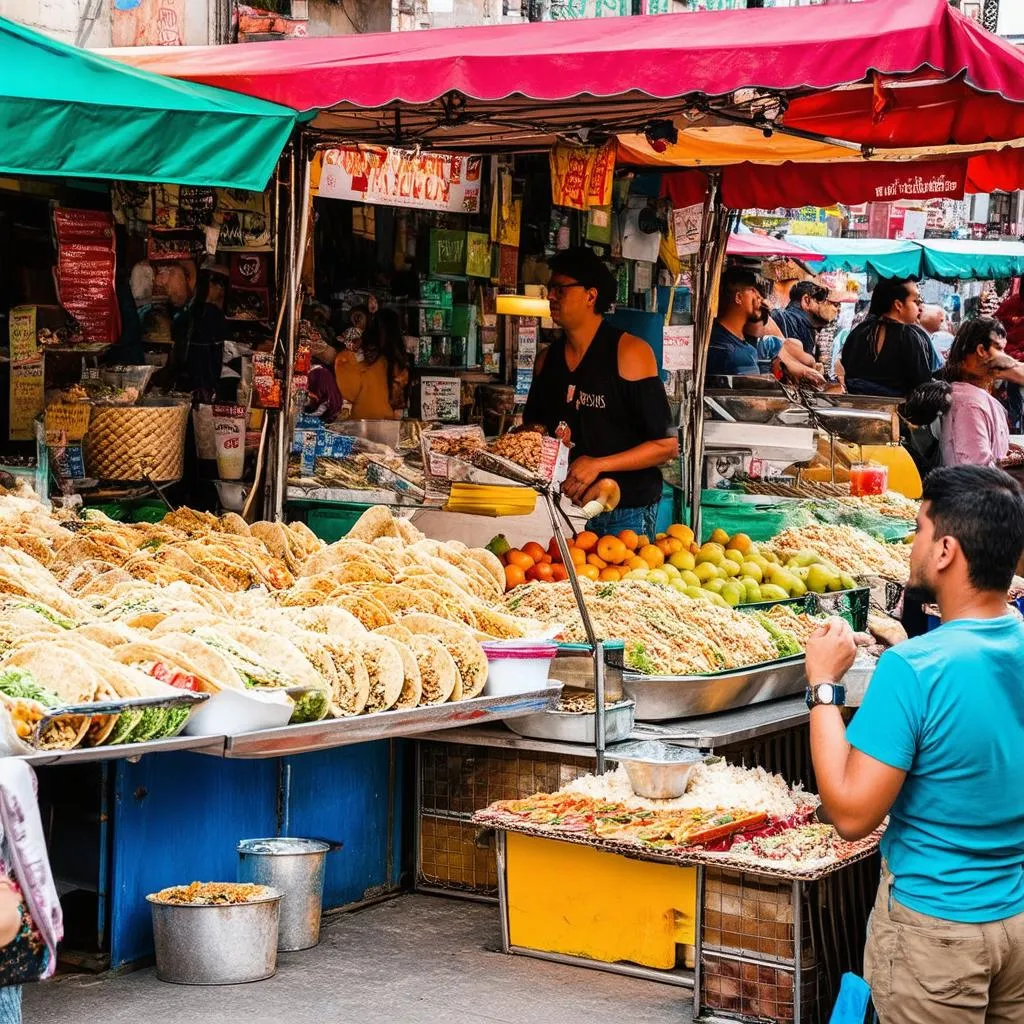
x: 177, y: 819
x: 349, y: 794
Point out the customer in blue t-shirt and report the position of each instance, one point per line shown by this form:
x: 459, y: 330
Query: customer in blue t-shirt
x: 938, y: 745
x: 739, y: 304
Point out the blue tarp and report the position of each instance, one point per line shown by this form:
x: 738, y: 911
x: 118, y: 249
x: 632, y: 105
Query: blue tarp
x: 882, y: 256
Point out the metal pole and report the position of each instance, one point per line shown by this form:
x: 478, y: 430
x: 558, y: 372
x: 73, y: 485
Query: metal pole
x: 282, y: 447
x: 588, y: 627
x: 715, y: 234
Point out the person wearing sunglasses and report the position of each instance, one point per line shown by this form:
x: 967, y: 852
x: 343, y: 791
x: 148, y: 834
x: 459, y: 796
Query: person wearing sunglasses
x: 604, y: 385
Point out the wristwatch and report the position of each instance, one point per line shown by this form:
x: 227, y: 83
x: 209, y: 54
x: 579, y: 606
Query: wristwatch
x: 826, y: 693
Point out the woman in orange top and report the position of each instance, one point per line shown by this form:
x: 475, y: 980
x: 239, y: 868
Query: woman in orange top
x: 375, y: 379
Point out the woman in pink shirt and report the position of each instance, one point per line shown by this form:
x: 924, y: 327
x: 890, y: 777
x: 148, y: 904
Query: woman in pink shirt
x: 975, y: 430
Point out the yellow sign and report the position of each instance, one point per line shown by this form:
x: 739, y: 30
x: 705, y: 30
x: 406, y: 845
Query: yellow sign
x: 808, y: 227
x: 26, y: 399
x: 22, y: 333
x: 68, y: 418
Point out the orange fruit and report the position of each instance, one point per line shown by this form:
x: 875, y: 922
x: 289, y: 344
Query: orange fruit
x: 520, y: 558
x: 578, y: 556
x: 542, y: 571
x: 590, y: 571
x: 610, y: 574
x: 559, y: 572
x: 681, y: 532
x: 545, y: 559
x: 663, y: 546
x: 652, y: 555
x: 671, y: 545
x: 629, y: 538
x: 553, y: 549
x: 612, y: 550
x: 597, y: 560
x: 534, y: 550
x: 514, y: 576
x: 660, y: 536
x: 694, y: 548
x: 741, y: 542
x: 586, y: 541
x: 642, y: 541
x: 636, y: 562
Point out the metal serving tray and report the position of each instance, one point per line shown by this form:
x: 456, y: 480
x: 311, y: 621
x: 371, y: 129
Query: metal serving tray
x: 577, y: 727
x: 660, y: 698
x: 127, y: 751
x: 339, y: 732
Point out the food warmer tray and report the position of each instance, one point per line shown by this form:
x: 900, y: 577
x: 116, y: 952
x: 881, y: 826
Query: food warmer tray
x: 339, y: 732
x: 660, y: 698
x: 577, y: 727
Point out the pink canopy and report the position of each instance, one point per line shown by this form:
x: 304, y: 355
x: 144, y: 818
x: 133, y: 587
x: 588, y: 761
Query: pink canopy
x: 918, y: 74
x: 763, y: 246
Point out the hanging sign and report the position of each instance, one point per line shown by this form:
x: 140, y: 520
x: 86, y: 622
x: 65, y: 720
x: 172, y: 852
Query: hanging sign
x: 440, y: 399
x: 478, y: 254
x: 677, y: 347
x: 581, y: 176
x: 447, y: 252
x: 26, y: 399
x: 686, y: 224
x: 386, y: 176
x: 22, y: 333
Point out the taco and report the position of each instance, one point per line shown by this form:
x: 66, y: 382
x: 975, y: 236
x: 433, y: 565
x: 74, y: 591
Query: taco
x: 468, y: 655
x: 439, y: 675
x: 368, y: 610
x: 352, y: 689
x: 412, y: 688
x: 384, y: 665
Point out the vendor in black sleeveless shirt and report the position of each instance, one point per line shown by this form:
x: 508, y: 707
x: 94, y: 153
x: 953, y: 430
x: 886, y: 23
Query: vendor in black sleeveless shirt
x: 604, y: 384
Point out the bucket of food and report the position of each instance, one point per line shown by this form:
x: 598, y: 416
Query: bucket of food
x: 215, y: 933
x: 518, y: 666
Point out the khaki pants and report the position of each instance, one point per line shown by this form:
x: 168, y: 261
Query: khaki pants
x: 923, y: 970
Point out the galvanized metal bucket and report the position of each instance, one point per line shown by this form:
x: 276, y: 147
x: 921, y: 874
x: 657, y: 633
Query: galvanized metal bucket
x: 216, y: 945
x: 296, y: 867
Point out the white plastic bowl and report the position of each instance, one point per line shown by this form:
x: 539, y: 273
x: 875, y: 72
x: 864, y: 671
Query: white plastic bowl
x: 517, y: 666
x: 231, y: 712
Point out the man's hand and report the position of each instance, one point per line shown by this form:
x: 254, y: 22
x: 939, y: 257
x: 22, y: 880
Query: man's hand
x: 810, y: 376
x: 582, y: 473
x: 830, y: 652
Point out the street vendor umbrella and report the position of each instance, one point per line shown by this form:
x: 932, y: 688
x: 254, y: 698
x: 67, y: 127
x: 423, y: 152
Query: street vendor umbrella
x: 875, y: 74
x: 72, y: 113
x: 965, y: 259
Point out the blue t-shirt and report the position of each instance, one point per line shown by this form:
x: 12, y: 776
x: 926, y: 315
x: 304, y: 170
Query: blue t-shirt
x: 768, y: 347
x: 948, y: 709
x: 728, y: 354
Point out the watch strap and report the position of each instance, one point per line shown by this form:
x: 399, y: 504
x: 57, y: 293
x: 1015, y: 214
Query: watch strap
x: 838, y: 695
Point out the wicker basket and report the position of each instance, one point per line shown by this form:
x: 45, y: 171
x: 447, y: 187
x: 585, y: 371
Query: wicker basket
x: 129, y: 443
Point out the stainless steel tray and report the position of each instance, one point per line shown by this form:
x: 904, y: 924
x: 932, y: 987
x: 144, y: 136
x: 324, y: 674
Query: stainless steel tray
x: 576, y: 727
x: 659, y: 698
x: 131, y: 751
x: 574, y: 666
x: 339, y: 732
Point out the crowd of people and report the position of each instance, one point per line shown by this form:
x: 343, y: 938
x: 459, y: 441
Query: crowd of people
x: 960, y: 395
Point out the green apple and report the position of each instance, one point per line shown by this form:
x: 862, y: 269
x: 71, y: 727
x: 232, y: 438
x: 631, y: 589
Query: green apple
x: 734, y: 593
x: 657, y: 576
x: 715, y: 586
x: 691, y: 579
x: 682, y: 560
x: 753, y: 571
x: 705, y: 571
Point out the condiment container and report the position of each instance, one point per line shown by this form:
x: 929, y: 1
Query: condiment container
x: 231, y: 712
x: 517, y: 666
x: 868, y: 478
x: 657, y: 771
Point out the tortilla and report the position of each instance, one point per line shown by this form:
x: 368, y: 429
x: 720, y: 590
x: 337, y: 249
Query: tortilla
x: 64, y: 733
x: 335, y: 622
x: 209, y: 663
x: 407, y: 532
x: 135, y: 655
x: 108, y: 634
x: 387, y: 675
x: 412, y: 690
x: 492, y: 565
x: 398, y: 599
x: 352, y: 692
x: 469, y: 656
x: 369, y: 611
x: 64, y: 672
x: 439, y: 674
x: 278, y: 652
x: 273, y: 536
x: 499, y: 625
x: 373, y: 523
x: 232, y: 522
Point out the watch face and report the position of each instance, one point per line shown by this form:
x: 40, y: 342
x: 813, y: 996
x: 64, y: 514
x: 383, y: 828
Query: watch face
x: 825, y: 693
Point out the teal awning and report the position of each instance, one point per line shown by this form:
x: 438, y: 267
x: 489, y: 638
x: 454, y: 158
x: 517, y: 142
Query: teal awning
x: 885, y: 257
x: 970, y: 260
x: 71, y: 113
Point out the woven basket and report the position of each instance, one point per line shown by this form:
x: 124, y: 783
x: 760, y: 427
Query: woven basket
x: 128, y: 443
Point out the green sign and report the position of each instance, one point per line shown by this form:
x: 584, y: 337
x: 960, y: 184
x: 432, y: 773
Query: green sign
x: 447, y: 252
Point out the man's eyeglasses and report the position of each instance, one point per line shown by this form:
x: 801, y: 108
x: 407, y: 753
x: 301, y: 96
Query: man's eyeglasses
x: 558, y: 290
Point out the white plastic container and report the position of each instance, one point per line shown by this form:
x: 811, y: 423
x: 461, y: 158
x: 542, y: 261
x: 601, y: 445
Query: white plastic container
x: 231, y: 712
x: 517, y: 666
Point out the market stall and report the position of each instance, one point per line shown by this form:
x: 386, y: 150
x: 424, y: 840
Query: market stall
x: 574, y: 78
